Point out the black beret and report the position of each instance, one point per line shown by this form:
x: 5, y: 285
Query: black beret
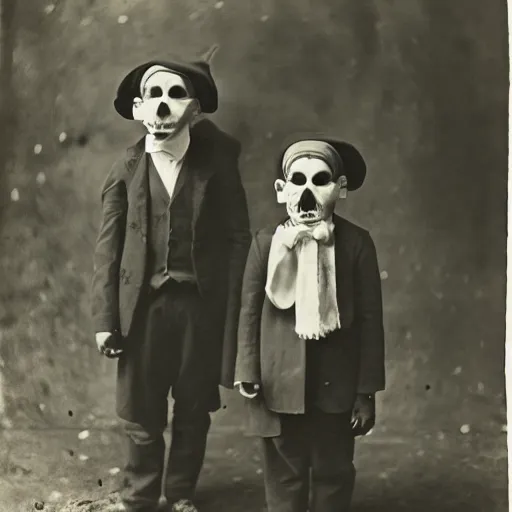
x: 198, y: 73
x: 354, y: 166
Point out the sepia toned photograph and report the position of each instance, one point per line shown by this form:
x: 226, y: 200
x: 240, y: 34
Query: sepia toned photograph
x: 253, y: 255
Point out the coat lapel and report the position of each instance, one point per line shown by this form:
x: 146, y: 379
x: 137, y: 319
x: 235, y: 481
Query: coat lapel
x: 201, y: 167
x: 139, y: 189
x: 182, y: 177
x: 142, y: 188
x: 343, y: 273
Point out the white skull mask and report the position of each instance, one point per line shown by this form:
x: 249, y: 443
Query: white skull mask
x: 166, y: 105
x: 310, y: 191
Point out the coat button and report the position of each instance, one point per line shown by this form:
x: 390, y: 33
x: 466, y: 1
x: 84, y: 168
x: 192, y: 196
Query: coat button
x: 327, y: 383
x: 144, y: 238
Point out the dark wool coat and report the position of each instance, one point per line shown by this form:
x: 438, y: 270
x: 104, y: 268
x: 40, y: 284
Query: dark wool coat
x: 348, y: 361
x: 220, y: 232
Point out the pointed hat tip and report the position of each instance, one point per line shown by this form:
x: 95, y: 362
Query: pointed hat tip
x: 208, y: 55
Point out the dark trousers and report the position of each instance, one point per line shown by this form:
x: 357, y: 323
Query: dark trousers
x: 313, y: 457
x: 171, y: 350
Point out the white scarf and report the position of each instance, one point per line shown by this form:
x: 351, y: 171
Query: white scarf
x: 302, y: 271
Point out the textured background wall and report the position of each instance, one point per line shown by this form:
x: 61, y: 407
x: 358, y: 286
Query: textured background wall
x: 420, y: 86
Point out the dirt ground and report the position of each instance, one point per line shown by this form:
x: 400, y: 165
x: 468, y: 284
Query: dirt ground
x: 57, y: 471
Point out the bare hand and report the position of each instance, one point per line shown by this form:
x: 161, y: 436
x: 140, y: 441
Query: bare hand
x: 108, y: 344
x: 363, y: 415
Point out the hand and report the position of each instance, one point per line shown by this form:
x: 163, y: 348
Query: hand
x: 363, y: 414
x: 249, y: 389
x: 108, y: 344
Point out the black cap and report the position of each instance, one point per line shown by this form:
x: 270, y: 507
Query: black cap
x: 354, y: 166
x: 197, y: 73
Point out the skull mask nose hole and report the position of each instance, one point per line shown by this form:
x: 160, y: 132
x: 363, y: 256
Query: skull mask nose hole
x: 163, y: 110
x: 307, y: 201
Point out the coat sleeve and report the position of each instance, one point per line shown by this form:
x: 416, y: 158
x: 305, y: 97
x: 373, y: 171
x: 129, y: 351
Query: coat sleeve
x: 108, y: 251
x: 236, y: 220
x: 368, y: 304
x: 247, y: 368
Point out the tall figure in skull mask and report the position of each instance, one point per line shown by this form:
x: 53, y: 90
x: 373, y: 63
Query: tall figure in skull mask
x: 168, y: 267
x: 311, y: 339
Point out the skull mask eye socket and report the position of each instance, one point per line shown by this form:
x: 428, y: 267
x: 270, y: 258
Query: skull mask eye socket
x: 177, y: 92
x: 321, y: 178
x: 155, y: 92
x: 298, y: 178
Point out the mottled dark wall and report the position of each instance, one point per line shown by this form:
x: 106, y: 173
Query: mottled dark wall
x: 420, y: 86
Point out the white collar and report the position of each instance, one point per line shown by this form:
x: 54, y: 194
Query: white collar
x: 176, y: 146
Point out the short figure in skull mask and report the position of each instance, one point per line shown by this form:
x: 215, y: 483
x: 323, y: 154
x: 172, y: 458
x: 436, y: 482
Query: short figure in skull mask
x: 311, y: 338
x: 168, y: 269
